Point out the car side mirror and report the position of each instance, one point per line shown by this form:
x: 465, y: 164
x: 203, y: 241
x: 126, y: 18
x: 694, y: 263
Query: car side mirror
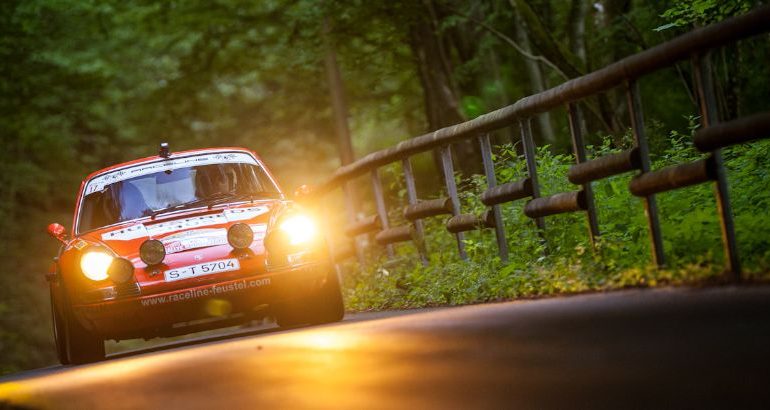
x: 302, y: 192
x: 57, y: 231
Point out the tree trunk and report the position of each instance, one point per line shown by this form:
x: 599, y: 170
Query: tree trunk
x: 577, y: 29
x: 541, y: 38
x: 613, y: 103
x: 344, y: 143
x: 339, y: 105
x: 442, y: 103
x: 535, y: 74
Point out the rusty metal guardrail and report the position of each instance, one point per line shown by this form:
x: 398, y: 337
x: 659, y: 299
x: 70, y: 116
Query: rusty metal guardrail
x: 711, y: 138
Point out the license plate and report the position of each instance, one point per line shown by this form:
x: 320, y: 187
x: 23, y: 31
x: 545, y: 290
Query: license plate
x: 201, y: 269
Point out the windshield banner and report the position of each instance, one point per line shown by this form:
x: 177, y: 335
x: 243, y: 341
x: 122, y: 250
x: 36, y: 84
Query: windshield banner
x: 99, y: 182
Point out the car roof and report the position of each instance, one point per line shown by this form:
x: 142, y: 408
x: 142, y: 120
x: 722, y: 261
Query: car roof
x: 173, y: 154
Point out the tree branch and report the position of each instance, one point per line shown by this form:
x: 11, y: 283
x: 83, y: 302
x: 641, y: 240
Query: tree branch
x: 511, y: 42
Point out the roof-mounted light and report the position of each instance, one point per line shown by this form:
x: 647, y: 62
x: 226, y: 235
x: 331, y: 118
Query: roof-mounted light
x: 164, y: 151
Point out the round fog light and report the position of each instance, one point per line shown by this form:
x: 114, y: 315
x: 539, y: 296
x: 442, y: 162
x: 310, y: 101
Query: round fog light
x: 121, y: 270
x: 240, y: 236
x: 152, y: 252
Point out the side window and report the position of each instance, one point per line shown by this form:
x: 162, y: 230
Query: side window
x: 265, y: 184
x: 253, y: 184
x: 94, y: 211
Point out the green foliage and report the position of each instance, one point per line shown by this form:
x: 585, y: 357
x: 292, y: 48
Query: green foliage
x: 565, y: 262
x: 702, y: 12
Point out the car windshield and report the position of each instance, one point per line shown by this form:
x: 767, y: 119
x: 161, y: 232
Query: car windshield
x: 171, y: 189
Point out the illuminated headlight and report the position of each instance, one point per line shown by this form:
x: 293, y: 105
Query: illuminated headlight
x: 152, y: 252
x: 295, y: 239
x: 240, y: 236
x: 299, y: 229
x: 95, y: 264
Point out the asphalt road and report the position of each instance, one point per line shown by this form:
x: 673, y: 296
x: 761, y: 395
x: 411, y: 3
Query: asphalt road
x: 667, y: 348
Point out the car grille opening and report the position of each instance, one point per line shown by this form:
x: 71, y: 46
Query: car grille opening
x: 127, y: 289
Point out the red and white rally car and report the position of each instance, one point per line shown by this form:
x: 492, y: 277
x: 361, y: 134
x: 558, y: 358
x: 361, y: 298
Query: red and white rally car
x: 184, y: 242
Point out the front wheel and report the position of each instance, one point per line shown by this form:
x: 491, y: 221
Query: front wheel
x: 323, y: 306
x: 59, y: 332
x: 74, y: 343
x: 82, y: 345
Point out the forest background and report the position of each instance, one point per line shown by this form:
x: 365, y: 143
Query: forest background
x: 85, y: 84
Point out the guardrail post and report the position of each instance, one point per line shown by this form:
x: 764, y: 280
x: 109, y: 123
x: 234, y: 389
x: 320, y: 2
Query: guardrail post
x: 650, y: 206
x: 580, y: 156
x: 529, y: 158
x: 451, y: 187
x: 489, y: 170
x: 381, y: 209
x: 350, y: 209
x: 709, y: 117
x: 411, y: 194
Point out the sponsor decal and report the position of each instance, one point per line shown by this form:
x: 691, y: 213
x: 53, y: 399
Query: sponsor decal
x: 208, y: 291
x: 126, y: 234
x: 240, y: 214
x: 228, y: 215
x: 79, y: 244
x: 187, y: 223
x: 99, y: 182
x: 194, y: 243
x: 193, y: 233
x: 197, y: 238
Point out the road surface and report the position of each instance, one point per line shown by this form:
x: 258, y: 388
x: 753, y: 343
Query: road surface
x: 665, y: 348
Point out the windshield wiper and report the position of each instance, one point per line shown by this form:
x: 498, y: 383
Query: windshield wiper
x: 253, y: 196
x: 209, y: 200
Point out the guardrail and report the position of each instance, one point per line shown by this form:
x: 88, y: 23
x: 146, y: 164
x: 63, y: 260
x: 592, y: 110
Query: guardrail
x: 711, y: 138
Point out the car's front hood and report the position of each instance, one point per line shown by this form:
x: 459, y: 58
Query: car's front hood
x: 186, y: 232
x: 191, y: 238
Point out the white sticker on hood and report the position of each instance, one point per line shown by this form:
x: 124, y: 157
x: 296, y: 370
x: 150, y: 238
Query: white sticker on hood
x: 197, y: 238
x: 186, y: 223
x: 240, y: 214
x: 140, y: 231
x: 126, y: 234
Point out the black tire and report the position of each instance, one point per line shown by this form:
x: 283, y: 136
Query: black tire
x: 323, y: 306
x: 59, y: 332
x: 74, y: 343
x: 82, y: 345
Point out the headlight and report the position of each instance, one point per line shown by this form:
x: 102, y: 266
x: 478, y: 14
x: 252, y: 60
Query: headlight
x: 240, y: 236
x: 152, y: 252
x: 299, y: 229
x: 121, y: 270
x: 94, y: 264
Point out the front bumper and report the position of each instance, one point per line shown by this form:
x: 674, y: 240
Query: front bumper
x: 154, y: 315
